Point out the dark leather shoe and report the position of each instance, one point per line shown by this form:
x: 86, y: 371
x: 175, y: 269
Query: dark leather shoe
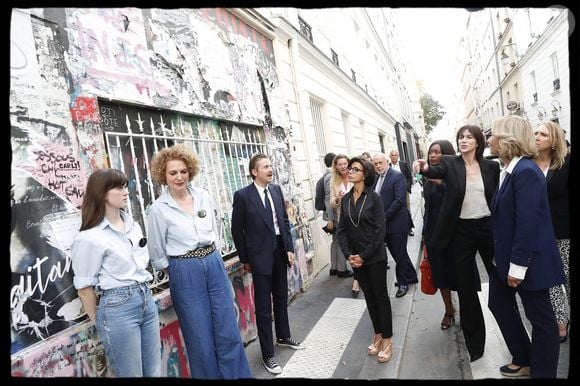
x: 521, y: 371
x: 402, y: 291
x: 475, y: 357
x: 344, y: 273
x: 333, y: 272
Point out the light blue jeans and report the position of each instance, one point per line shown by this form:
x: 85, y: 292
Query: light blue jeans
x: 128, y: 326
x: 202, y: 296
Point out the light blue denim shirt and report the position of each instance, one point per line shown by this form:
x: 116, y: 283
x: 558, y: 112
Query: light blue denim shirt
x: 106, y: 258
x: 173, y: 232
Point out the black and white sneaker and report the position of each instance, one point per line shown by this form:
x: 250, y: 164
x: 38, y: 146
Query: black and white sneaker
x: 271, y: 365
x: 289, y: 342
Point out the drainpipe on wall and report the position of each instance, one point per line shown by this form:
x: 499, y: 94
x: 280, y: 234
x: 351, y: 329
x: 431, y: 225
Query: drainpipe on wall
x: 496, y: 64
x: 294, y: 60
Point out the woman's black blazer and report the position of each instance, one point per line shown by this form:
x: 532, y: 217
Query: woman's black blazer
x: 452, y: 170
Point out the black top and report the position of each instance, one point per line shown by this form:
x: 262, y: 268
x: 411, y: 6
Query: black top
x: 433, y: 194
x: 362, y: 231
x: 557, y: 183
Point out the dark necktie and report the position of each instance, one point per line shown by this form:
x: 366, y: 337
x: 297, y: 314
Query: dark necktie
x: 379, y: 183
x: 269, y: 213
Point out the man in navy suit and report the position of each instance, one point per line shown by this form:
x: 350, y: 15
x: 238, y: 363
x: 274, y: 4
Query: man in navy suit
x: 402, y: 167
x: 392, y: 187
x: 261, y: 233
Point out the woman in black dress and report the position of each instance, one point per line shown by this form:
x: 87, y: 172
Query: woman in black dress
x: 439, y: 258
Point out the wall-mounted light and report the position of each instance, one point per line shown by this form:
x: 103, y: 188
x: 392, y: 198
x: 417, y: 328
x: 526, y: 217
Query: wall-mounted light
x: 556, y: 108
x: 505, y: 58
x: 541, y: 113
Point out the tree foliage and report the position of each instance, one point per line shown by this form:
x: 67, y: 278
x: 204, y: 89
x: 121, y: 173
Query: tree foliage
x: 432, y: 112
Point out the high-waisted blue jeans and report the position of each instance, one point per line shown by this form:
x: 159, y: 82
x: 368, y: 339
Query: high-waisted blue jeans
x: 128, y: 326
x: 203, y: 301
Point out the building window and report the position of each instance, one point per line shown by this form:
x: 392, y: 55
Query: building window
x: 556, y: 71
x: 334, y: 57
x: 317, y: 123
x: 382, y: 142
x: 535, y: 88
x: 133, y: 134
x: 305, y: 29
x: 347, y: 132
x: 353, y: 75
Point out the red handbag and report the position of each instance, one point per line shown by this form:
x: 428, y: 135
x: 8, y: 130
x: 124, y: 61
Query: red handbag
x: 427, y: 283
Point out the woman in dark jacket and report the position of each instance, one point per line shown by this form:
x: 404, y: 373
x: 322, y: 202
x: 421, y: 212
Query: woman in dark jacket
x: 439, y: 259
x: 463, y: 224
x: 361, y: 234
x: 554, y: 161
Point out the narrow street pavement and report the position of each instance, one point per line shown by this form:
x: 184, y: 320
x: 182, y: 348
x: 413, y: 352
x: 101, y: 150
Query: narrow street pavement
x: 336, y: 329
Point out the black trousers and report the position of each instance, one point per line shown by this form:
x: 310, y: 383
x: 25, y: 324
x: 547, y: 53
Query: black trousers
x: 373, y: 282
x: 404, y: 270
x: 270, y: 289
x: 470, y: 237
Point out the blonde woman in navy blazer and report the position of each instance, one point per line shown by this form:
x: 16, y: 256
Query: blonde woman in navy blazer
x: 526, y: 257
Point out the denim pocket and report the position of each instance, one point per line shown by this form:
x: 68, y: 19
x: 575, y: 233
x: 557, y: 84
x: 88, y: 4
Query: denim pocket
x: 115, y: 299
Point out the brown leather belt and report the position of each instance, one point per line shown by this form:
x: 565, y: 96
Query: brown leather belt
x: 198, y: 253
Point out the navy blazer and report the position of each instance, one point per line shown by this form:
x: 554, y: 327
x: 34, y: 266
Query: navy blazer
x: 452, y: 170
x: 252, y: 232
x: 522, y: 228
x: 394, y: 195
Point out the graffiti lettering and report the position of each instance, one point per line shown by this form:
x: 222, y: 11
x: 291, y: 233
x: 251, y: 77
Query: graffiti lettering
x: 32, y: 282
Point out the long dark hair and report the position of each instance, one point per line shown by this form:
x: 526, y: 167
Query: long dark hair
x: 100, y: 182
x: 479, y: 138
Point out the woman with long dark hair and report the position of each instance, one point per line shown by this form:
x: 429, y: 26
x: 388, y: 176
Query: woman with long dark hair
x: 110, y: 260
x: 463, y: 224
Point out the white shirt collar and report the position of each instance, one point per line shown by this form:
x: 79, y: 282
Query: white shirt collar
x: 510, y: 167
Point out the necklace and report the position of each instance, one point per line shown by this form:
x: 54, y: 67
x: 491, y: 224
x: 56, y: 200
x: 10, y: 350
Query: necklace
x: 359, y: 212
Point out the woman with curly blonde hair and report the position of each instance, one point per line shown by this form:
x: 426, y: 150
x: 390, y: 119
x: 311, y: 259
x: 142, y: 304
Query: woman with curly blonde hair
x: 182, y: 243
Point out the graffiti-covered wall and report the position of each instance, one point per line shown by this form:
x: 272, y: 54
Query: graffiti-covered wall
x: 68, y: 66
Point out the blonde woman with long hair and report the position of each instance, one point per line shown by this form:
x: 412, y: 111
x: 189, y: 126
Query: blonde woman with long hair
x: 554, y: 161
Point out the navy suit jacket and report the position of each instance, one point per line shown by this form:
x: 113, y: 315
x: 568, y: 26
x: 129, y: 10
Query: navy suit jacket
x: 522, y: 228
x: 394, y: 195
x: 452, y: 170
x: 253, y: 234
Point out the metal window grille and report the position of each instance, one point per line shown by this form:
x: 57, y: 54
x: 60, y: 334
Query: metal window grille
x: 316, y: 111
x: 134, y: 134
x: 334, y: 57
x: 305, y: 29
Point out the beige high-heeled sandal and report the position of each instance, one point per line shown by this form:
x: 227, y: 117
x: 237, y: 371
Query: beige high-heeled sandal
x: 386, y: 354
x: 373, y: 348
